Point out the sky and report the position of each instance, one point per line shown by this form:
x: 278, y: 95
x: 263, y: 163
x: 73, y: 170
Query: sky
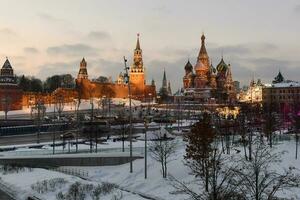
x: 46, y: 37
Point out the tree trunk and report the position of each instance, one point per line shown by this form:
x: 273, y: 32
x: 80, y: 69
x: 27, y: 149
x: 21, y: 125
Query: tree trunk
x: 206, y: 177
x: 163, y: 168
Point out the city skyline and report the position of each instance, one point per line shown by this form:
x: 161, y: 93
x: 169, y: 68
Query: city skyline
x: 42, y: 39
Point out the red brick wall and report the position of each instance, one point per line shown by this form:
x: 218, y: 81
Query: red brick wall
x: 14, y: 94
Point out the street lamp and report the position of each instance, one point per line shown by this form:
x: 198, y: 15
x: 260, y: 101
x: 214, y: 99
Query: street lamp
x: 127, y: 77
x: 150, y: 94
x: 146, y: 128
x: 76, y: 109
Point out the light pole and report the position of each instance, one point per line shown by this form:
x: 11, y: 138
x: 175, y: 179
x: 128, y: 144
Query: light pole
x: 76, y: 103
x: 53, y: 134
x: 130, y: 112
x: 149, y: 110
x: 104, y: 105
x: 146, y: 128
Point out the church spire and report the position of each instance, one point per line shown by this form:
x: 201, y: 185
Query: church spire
x: 203, y: 48
x: 203, y: 59
x: 164, y: 82
x: 138, y: 47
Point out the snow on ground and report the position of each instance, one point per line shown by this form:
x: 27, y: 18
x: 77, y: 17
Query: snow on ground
x: 84, y: 105
x: 157, y: 186
x: 23, y: 182
x: 154, y: 185
x: 109, y: 146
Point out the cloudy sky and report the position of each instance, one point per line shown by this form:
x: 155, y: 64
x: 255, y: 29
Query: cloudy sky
x: 259, y: 37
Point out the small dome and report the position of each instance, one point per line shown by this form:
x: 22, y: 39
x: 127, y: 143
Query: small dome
x: 212, y: 69
x: 188, y: 66
x: 222, y: 66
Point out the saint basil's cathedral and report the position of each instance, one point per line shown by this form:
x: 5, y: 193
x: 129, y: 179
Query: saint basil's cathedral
x: 206, y: 83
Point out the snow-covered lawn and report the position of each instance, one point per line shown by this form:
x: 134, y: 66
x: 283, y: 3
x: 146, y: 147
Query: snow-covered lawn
x: 84, y: 105
x: 24, y: 180
x: 154, y: 185
x: 157, y: 186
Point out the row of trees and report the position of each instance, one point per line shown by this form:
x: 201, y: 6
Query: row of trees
x: 32, y: 84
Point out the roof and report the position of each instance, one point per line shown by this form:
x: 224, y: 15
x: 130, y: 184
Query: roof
x: 222, y: 66
x: 83, y: 62
x: 188, y: 66
x: 212, y: 69
x: 284, y: 84
x: 7, y: 64
x: 279, y: 78
x: 202, y: 49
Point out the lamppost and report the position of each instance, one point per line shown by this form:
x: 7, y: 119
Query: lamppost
x: 150, y: 99
x: 127, y: 77
x: 146, y: 128
x: 76, y: 106
x: 297, y: 130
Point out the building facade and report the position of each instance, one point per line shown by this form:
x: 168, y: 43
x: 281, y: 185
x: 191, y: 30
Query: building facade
x: 10, y: 93
x: 253, y: 93
x: 282, y: 95
x: 204, y: 82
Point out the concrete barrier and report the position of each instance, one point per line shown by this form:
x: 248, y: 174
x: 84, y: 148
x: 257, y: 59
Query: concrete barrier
x: 104, y: 159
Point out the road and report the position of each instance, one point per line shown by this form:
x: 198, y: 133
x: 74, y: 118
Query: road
x: 26, y: 139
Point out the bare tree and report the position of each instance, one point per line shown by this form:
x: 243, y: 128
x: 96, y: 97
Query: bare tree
x: 256, y: 180
x: 59, y: 103
x: 161, y: 150
x: 39, y: 110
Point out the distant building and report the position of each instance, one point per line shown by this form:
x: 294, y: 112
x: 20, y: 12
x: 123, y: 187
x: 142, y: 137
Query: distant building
x: 165, y: 92
x: 252, y: 93
x: 208, y: 82
x: 282, y: 95
x: 10, y: 93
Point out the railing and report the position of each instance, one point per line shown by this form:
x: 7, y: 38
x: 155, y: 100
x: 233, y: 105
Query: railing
x: 72, y: 171
x: 8, y: 189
